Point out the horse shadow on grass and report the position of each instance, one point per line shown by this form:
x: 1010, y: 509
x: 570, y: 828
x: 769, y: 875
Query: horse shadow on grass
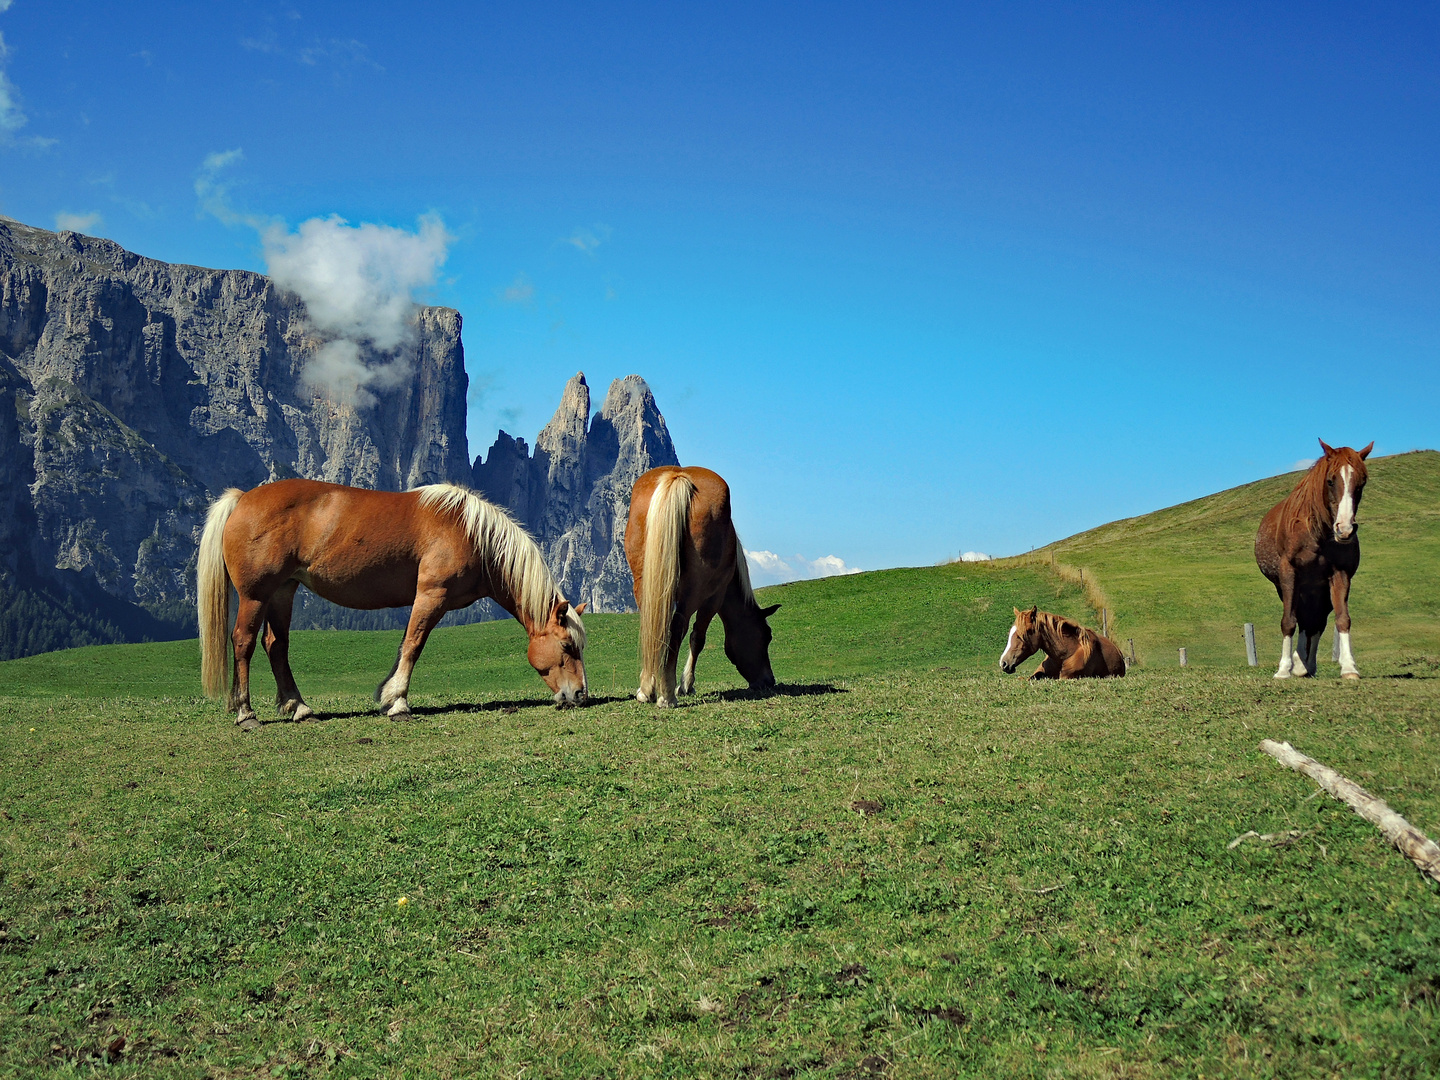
x: 782, y: 690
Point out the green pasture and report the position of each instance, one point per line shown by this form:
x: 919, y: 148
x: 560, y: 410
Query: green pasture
x: 905, y: 864
x: 1186, y: 575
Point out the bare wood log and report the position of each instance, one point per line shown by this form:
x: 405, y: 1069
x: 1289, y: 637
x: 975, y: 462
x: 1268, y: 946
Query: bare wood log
x: 1413, y: 843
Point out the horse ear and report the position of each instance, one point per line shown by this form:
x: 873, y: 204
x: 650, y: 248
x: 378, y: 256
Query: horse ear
x: 561, y: 606
x: 580, y: 608
x: 1328, y: 449
x: 766, y: 612
x: 1034, y: 610
x: 1017, y: 612
x: 1366, y: 452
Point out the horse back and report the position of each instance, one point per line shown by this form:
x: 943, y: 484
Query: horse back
x: 328, y: 533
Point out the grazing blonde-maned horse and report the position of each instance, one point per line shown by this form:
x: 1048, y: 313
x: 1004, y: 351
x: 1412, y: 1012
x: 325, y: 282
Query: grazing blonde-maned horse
x: 439, y: 548
x: 687, y: 561
x: 1309, y: 547
x: 1071, y: 650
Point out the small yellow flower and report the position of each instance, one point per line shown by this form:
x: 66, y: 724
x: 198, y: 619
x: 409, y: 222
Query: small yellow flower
x: 32, y: 729
x: 402, y: 901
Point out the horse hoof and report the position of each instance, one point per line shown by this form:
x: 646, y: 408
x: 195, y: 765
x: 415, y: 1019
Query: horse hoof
x: 303, y: 712
x: 664, y: 703
x: 642, y: 697
x: 400, y: 717
x: 1282, y: 674
x: 248, y: 723
x: 1350, y: 675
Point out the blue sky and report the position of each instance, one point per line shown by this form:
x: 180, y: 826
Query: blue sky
x: 916, y: 279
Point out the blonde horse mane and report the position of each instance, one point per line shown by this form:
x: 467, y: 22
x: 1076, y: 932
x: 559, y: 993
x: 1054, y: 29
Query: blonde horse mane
x: 665, y: 522
x: 511, y: 550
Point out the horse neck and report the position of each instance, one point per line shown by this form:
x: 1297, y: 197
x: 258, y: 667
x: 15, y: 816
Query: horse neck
x: 500, y: 593
x: 1052, y: 638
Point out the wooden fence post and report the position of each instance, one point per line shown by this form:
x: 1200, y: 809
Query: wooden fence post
x: 1182, y: 657
x: 1104, y: 622
x: 1250, y: 643
x: 1132, y: 650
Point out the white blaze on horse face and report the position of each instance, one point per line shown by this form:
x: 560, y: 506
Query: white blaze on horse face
x: 1345, y: 513
x: 1009, y: 642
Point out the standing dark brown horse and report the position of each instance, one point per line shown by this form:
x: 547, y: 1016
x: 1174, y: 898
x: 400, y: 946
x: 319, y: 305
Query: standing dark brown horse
x: 1309, y: 547
x: 1071, y: 650
x: 438, y: 548
x: 687, y: 561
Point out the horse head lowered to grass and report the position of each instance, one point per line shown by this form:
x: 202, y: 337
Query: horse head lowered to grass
x: 438, y: 548
x: 1308, y: 546
x: 1071, y: 650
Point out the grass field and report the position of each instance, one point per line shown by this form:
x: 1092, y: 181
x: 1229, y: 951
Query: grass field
x: 903, y: 865
x: 1186, y: 575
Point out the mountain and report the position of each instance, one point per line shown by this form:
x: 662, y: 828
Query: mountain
x: 133, y: 390
x: 574, y: 493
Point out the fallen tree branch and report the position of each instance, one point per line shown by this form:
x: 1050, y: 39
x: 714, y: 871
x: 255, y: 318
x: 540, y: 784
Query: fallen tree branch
x: 1413, y: 843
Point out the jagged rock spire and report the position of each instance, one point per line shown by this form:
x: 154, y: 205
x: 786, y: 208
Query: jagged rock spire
x: 574, y: 494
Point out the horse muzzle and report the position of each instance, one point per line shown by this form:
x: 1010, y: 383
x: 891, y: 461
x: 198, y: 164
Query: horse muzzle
x: 1007, y: 667
x: 571, y: 697
x: 1348, y: 537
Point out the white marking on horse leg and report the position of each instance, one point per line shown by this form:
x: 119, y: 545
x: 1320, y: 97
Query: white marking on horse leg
x: 1008, y: 642
x: 687, y: 680
x: 395, y: 687
x: 1301, y: 647
x: 1348, y: 670
x: 302, y: 712
x: 400, y: 710
x: 1287, y: 658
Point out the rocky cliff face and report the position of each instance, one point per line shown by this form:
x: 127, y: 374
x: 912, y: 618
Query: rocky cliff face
x: 574, y: 493
x: 131, y: 390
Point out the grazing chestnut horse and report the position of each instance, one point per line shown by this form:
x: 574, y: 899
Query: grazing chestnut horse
x: 1309, y: 547
x: 1071, y: 651
x: 439, y: 548
x: 687, y: 560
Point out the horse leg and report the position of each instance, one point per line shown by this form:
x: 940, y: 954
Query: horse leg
x: 429, y: 609
x: 1300, y: 669
x: 1340, y: 601
x: 697, y: 643
x: 277, y: 648
x: 249, y: 617
x: 1049, y: 669
x: 665, y: 677
x: 1312, y: 651
x: 1287, y: 621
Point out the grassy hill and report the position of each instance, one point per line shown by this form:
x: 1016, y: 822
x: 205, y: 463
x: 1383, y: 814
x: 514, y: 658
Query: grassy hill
x: 904, y: 864
x: 1186, y: 575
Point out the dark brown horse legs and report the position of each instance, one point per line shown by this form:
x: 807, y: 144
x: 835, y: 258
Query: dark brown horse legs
x: 429, y: 609
x: 248, y: 620
x: 665, y: 677
x: 697, y: 644
x: 1340, y: 601
x: 1290, y: 658
x: 277, y: 648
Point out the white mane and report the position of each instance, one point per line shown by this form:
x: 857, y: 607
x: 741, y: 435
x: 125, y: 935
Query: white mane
x: 515, y: 555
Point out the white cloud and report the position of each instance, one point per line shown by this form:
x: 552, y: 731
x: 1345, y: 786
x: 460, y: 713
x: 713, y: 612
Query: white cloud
x: 519, y: 291
x: 360, y: 285
x: 767, y: 568
x: 974, y: 556
x: 81, y: 223
x: 214, y: 193
x: 12, y: 117
x: 586, y: 240
x: 1301, y: 465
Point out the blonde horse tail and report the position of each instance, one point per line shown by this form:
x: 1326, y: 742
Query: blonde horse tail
x: 213, y: 597
x: 665, y: 525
